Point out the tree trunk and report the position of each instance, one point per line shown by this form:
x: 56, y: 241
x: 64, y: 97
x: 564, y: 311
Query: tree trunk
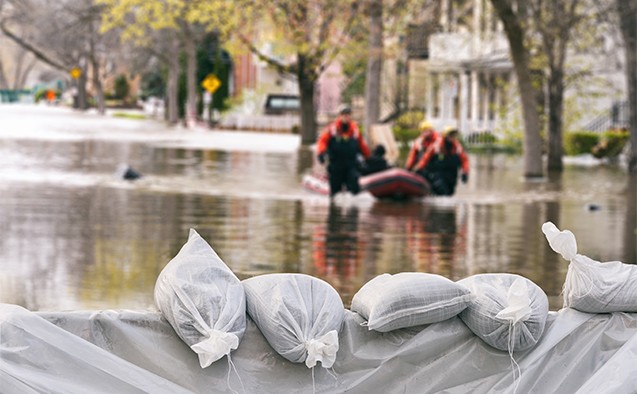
x: 556, y: 105
x: 97, y: 84
x: 172, y: 85
x: 3, y: 78
x: 18, y: 68
x: 26, y: 72
x: 630, y: 241
x: 307, y: 80
x: 191, y: 79
x: 627, y: 10
x: 82, y: 102
x: 172, y: 89
x: 374, y: 67
x: 532, y: 155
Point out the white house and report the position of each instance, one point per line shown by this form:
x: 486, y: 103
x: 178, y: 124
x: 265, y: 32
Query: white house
x: 469, y: 81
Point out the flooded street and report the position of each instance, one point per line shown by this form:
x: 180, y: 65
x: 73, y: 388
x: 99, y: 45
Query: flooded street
x: 72, y: 236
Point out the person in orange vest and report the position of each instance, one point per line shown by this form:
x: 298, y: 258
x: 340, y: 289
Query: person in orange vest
x: 427, y: 137
x: 342, y: 143
x: 50, y: 96
x: 439, y: 165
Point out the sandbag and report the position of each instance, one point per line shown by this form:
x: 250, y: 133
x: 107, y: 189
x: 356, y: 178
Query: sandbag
x: 389, y: 302
x: 202, y: 300
x: 591, y: 286
x: 509, y: 311
x: 300, y: 316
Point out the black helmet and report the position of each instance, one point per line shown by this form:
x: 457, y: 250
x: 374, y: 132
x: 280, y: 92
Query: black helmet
x: 379, y: 150
x: 346, y: 110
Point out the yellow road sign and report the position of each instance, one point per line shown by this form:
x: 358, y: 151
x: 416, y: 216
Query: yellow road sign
x: 211, y: 83
x: 75, y: 72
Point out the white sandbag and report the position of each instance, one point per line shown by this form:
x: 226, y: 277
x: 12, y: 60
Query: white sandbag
x: 202, y: 300
x: 591, y: 286
x: 509, y: 311
x: 389, y: 302
x: 300, y: 316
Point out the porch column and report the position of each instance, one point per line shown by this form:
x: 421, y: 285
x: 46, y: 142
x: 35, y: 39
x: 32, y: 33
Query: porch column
x: 430, y: 96
x: 486, y: 99
x: 464, y: 102
x: 475, y: 86
x: 442, y: 97
x: 498, y: 101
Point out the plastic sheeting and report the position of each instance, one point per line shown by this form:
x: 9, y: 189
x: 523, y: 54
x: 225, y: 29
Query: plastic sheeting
x: 138, y: 352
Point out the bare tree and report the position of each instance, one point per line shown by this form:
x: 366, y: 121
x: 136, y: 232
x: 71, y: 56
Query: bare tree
x: 192, y: 35
x: 143, y: 21
x: 69, y: 40
x: 165, y: 45
x: 515, y: 29
x: 555, y: 21
x: 310, y: 35
x: 374, y: 65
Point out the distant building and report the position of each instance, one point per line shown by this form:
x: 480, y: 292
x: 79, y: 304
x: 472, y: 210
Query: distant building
x: 249, y: 73
x: 460, y: 72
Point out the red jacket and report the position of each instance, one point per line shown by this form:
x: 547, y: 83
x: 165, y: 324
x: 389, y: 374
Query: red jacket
x: 439, y: 147
x: 335, y: 129
x: 420, y: 146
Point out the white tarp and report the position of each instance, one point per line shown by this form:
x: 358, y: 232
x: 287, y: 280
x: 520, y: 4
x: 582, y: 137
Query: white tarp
x: 138, y: 352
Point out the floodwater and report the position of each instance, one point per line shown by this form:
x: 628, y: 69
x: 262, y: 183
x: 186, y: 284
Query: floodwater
x: 72, y: 236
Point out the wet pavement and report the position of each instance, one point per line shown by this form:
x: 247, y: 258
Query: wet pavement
x: 72, y: 236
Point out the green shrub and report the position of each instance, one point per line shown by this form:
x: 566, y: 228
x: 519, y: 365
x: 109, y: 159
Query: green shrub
x: 41, y: 94
x: 512, y: 143
x: 482, y: 138
x: 611, y: 143
x: 410, y: 120
x: 577, y: 143
x: 122, y: 88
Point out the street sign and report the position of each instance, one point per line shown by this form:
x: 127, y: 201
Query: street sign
x: 75, y: 72
x: 211, y: 83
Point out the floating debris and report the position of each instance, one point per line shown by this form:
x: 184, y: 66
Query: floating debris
x: 124, y: 171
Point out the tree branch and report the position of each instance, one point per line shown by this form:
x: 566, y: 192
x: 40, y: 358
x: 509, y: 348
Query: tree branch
x: 282, y: 68
x: 37, y: 53
x: 330, y: 58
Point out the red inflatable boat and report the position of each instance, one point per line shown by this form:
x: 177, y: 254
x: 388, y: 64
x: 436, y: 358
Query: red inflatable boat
x: 392, y: 183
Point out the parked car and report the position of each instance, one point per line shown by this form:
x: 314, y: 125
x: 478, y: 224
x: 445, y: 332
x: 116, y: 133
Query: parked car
x: 282, y: 104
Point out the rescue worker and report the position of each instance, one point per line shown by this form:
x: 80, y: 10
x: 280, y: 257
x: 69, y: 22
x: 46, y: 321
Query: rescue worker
x: 439, y: 165
x: 376, y: 162
x: 425, y: 139
x: 342, y: 142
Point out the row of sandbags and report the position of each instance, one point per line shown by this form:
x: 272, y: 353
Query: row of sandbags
x: 301, y: 316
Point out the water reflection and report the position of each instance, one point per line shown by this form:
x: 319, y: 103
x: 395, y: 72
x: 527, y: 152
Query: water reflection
x: 338, y: 250
x: 73, y: 237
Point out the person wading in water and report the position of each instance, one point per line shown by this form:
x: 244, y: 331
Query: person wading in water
x: 440, y: 163
x: 426, y: 138
x: 342, y: 142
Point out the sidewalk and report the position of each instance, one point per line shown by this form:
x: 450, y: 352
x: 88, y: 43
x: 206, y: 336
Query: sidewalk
x: 27, y: 121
